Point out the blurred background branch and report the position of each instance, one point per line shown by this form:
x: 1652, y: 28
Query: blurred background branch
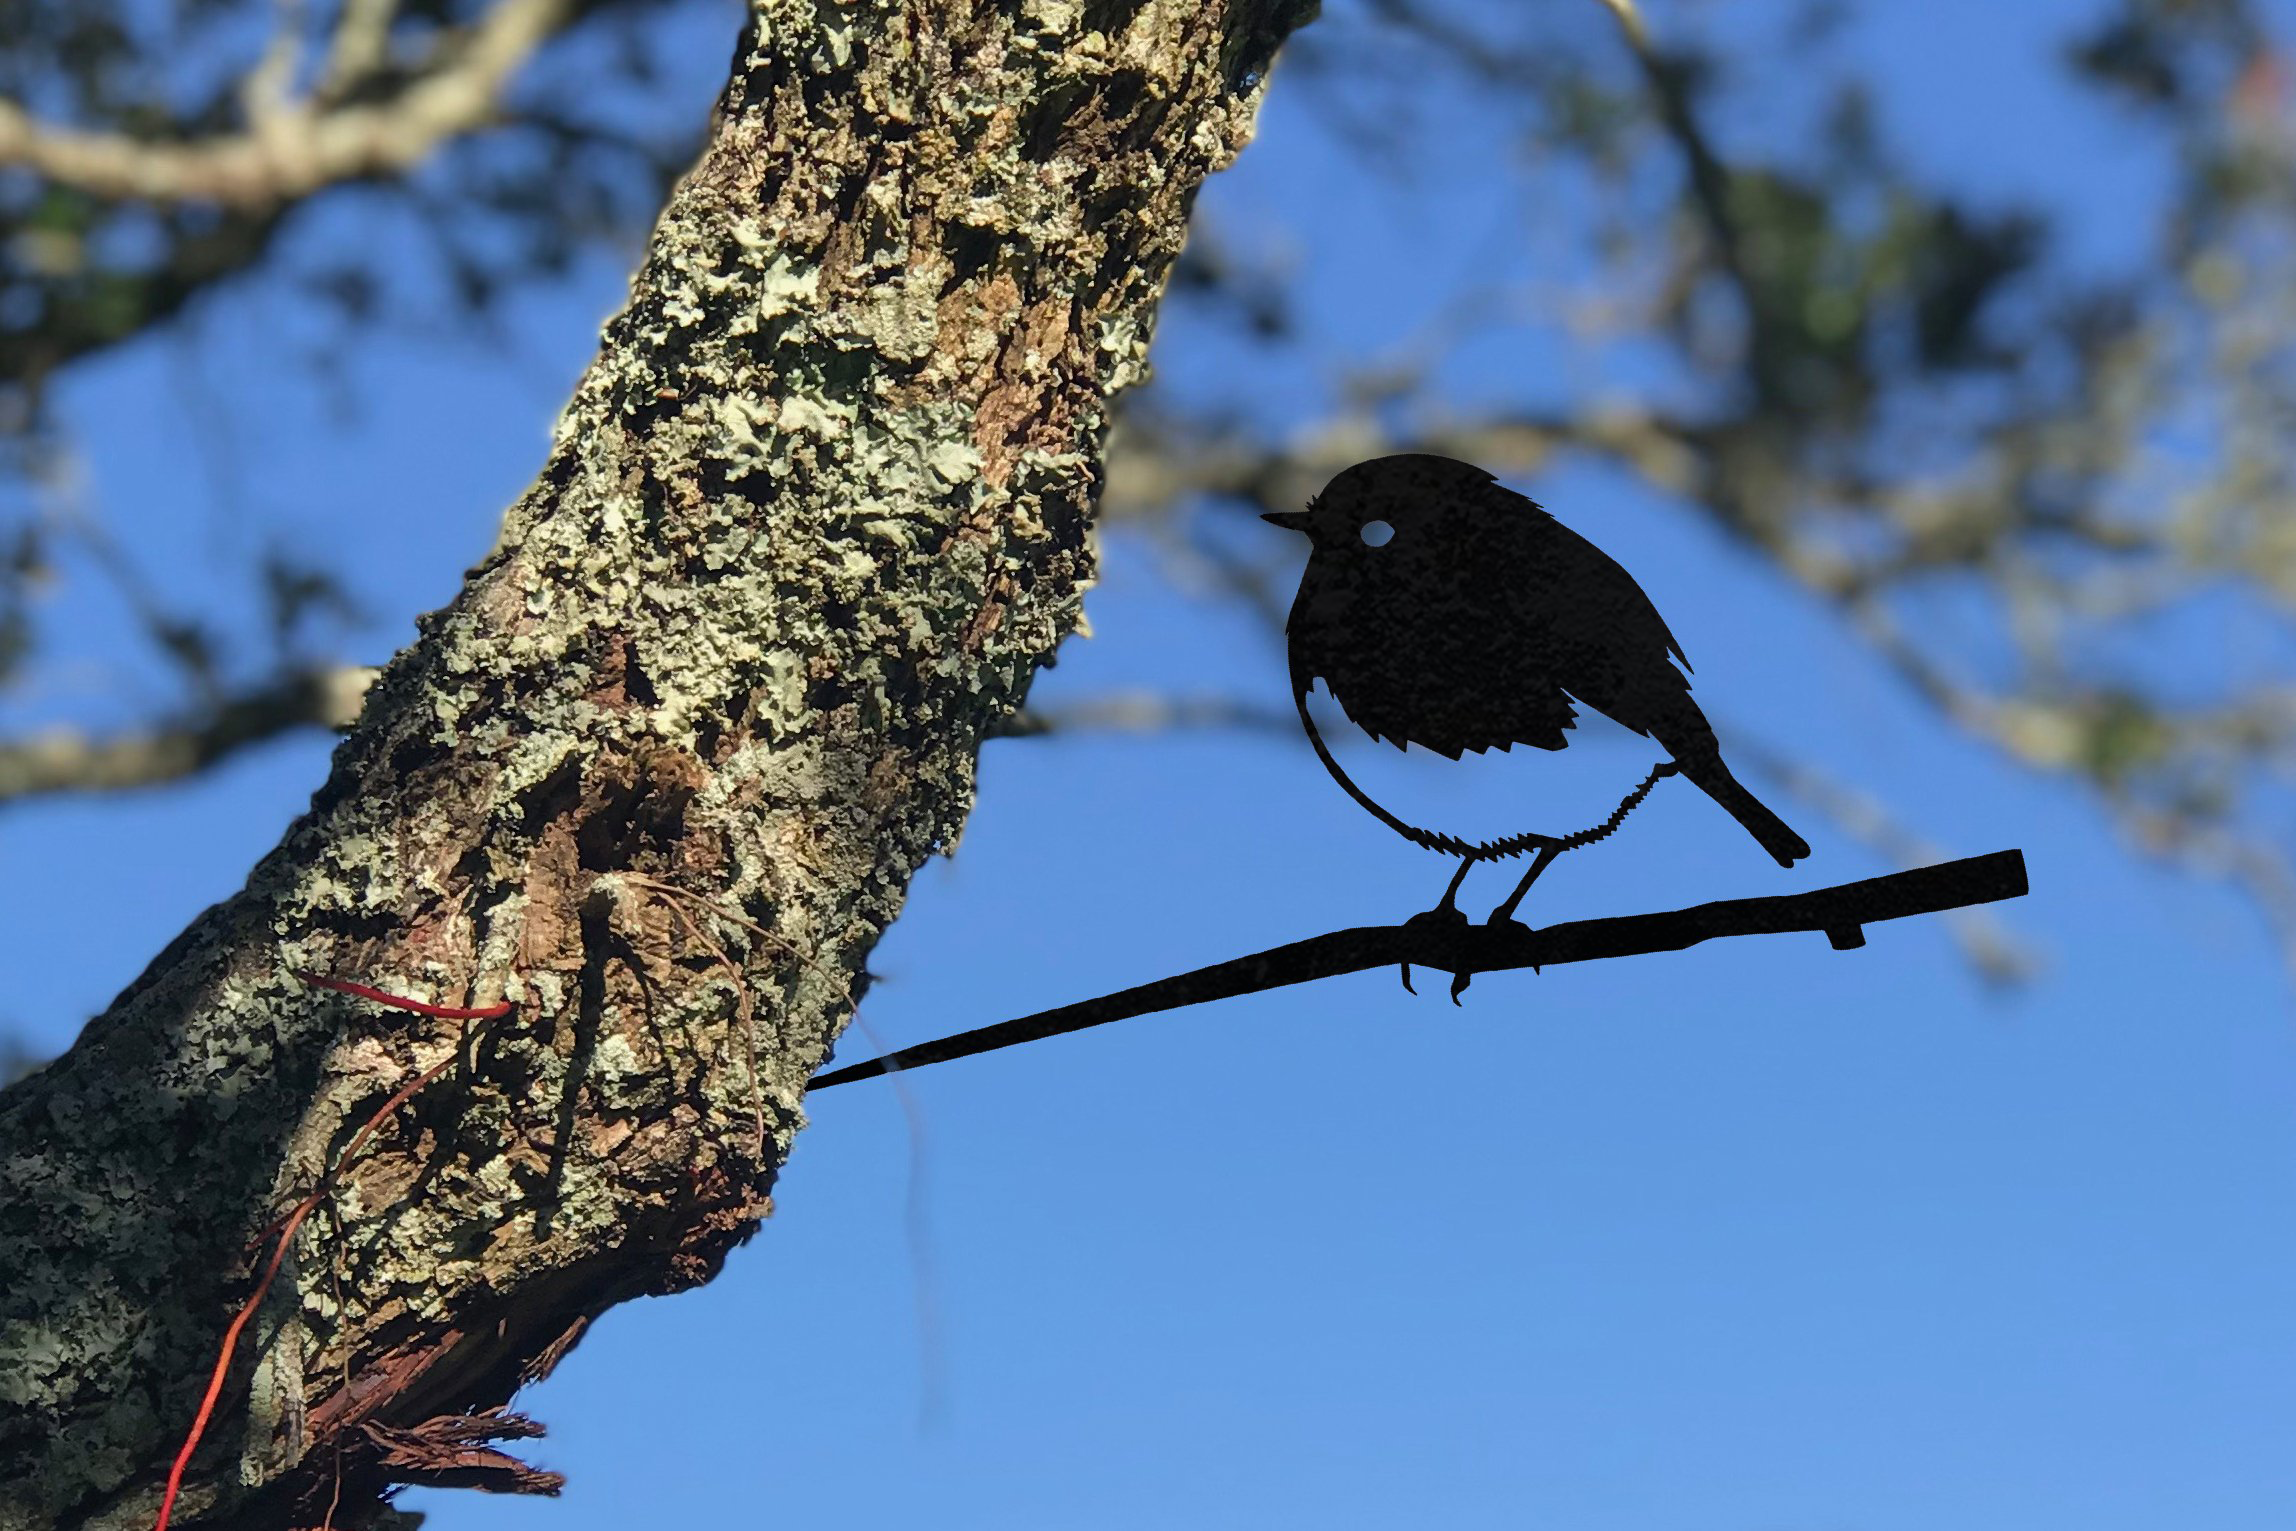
x: 63, y: 760
x: 368, y: 114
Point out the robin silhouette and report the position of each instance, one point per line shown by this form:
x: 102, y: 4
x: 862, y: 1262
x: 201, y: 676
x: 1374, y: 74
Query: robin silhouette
x: 1442, y: 609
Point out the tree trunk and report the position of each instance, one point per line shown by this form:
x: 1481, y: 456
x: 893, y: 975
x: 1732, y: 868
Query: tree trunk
x: 660, y: 775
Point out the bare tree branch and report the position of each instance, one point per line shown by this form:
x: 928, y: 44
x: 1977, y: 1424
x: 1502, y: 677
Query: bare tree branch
x: 361, y: 45
x: 1146, y: 712
x: 289, y: 149
x: 66, y: 760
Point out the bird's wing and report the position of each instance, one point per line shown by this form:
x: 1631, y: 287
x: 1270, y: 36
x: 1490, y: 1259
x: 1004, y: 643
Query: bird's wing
x: 1637, y: 621
x: 1611, y: 648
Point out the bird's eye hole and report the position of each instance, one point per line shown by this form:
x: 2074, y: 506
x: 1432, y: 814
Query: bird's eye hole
x: 1376, y: 534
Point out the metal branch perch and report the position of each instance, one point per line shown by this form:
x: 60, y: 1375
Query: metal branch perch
x: 1842, y: 912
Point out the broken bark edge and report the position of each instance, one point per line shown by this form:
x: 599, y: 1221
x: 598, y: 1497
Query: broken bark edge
x: 1840, y: 912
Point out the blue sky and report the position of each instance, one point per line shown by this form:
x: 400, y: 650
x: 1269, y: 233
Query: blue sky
x: 1757, y: 1237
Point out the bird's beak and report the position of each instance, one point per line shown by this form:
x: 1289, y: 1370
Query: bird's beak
x: 1289, y: 520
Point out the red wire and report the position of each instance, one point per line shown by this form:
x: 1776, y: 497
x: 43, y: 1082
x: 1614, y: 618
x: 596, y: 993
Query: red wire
x: 223, y: 1364
x: 400, y: 1002
x: 295, y: 1219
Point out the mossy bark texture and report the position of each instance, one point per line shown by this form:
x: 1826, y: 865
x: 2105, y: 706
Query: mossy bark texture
x: 660, y: 775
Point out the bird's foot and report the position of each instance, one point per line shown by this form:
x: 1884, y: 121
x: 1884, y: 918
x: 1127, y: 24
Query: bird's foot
x: 1443, y: 924
x: 1503, y: 918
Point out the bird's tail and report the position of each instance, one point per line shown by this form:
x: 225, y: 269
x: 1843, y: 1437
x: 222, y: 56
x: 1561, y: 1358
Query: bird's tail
x: 1705, y: 767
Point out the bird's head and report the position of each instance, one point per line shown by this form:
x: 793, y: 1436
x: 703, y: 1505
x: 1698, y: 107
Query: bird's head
x: 1398, y: 500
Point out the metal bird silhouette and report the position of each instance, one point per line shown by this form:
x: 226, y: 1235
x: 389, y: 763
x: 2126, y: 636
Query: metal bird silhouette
x: 1447, y: 611
x: 1442, y: 609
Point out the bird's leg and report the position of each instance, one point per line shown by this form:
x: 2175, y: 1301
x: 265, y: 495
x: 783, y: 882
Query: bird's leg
x: 1445, y: 917
x: 1539, y: 863
x: 1505, y: 913
x: 1449, y: 905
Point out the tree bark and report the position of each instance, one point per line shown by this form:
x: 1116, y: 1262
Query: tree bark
x: 660, y: 775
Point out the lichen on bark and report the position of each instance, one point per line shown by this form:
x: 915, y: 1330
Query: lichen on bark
x: 660, y: 774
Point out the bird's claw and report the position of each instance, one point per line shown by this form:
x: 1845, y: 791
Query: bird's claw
x: 1495, y: 921
x: 1459, y: 982
x: 1445, y: 923
x: 1500, y: 918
